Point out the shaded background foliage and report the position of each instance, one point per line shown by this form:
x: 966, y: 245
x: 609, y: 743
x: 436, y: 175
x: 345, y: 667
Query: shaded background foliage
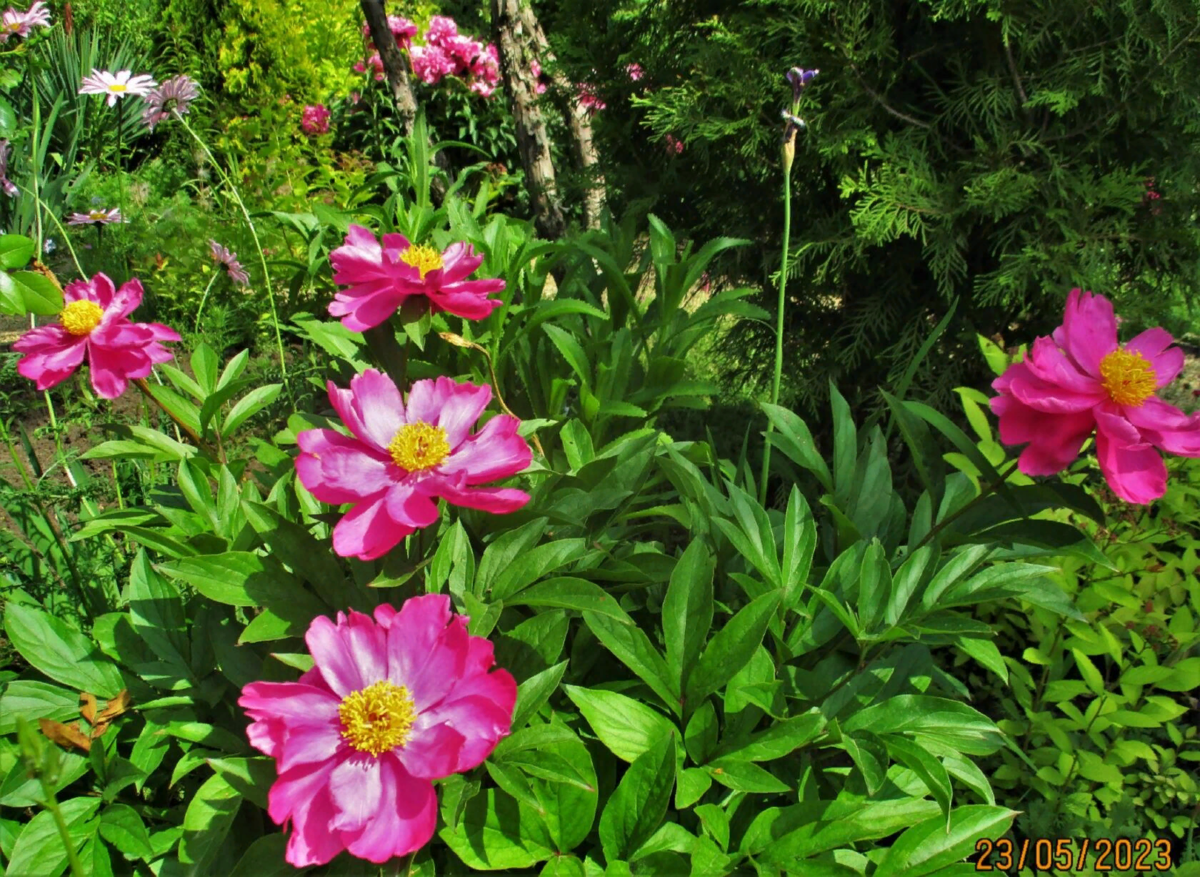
x: 956, y: 150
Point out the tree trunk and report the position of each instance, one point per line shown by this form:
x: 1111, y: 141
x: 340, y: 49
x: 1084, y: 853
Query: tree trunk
x: 578, y: 117
x: 512, y: 35
x: 396, y: 70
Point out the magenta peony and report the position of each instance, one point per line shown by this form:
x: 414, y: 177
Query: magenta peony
x: 315, y: 119
x: 398, y: 459
x: 390, y: 704
x: 1081, y: 380
x: 380, y: 278
x: 95, y: 322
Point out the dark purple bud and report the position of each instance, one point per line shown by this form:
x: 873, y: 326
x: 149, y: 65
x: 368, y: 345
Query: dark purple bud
x: 799, y: 78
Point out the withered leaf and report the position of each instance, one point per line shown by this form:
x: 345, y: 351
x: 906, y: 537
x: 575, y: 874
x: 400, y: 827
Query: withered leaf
x: 65, y: 735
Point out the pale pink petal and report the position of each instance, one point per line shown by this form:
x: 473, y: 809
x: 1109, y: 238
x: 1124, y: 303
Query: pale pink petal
x: 405, y: 821
x: 1089, y: 330
x: 446, y: 403
x: 336, y: 468
x: 356, y: 787
x: 334, y: 654
x: 367, y: 531
x: 1155, y: 346
x: 495, y: 452
x: 379, y: 407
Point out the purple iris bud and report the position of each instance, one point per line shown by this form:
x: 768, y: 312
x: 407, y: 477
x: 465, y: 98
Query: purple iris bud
x: 799, y: 78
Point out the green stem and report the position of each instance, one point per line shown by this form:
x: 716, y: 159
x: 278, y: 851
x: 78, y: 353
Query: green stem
x: 787, y: 234
x: 120, y: 149
x: 983, y: 494
x: 64, y: 832
x: 262, y: 259
x: 204, y: 298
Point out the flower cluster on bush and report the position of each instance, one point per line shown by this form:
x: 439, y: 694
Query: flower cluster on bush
x: 442, y: 52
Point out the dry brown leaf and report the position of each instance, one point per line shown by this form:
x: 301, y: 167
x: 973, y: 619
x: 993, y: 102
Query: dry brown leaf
x: 65, y: 735
x: 115, y: 707
x: 88, y: 708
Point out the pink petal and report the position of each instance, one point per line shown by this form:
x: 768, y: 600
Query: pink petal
x: 479, y: 709
x: 336, y: 468
x: 385, y: 614
x: 458, y: 261
x: 495, y: 452
x: 295, y: 702
x: 394, y: 244
x: 1020, y: 381
x: 1055, y: 438
x: 1049, y: 363
x: 446, y: 403
x: 496, y: 500
x: 1136, y: 474
x: 410, y: 506
x: 344, y: 660
x: 366, y: 310
x: 371, y: 408
x: 114, y: 367
x: 415, y: 639
x: 468, y: 304
x: 1166, y: 427
x: 405, y: 820
x: 356, y: 786
x: 46, y: 340
x: 367, y: 531
x: 123, y: 303
x: 311, y: 744
x: 302, y: 796
x: 1155, y: 345
x: 1089, y: 330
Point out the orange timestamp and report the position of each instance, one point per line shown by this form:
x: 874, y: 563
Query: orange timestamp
x: 1122, y: 854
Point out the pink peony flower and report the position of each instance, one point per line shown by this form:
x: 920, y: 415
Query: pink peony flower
x: 440, y: 30
x: 635, y: 71
x: 536, y: 69
x: 375, y: 63
x: 588, y: 99
x: 674, y: 145
x: 20, y: 24
x: 315, y: 119
x: 1082, y: 380
x: 400, y: 458
x: 390, y: 704
x: 380, y: 278
x: 116, y: 85
x: 430, y: 63
x: 95, y: 321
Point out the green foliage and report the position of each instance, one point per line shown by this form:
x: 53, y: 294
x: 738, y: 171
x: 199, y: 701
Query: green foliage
x: 953, y: 151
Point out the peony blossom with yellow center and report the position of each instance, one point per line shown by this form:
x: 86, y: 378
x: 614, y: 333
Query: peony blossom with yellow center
x: 81, y: 317
x: 377, y: 718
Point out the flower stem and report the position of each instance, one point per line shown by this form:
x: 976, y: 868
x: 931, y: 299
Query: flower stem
x: 262, y: 259
x: 33, y: 156
x: 983, y: 494
x: 204, y: 298
x: 787, y: 234
x: 120, y: 145
x: 141, y: 384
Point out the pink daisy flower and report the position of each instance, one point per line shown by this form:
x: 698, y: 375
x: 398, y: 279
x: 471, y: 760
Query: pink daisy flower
x: 9, y: 187
x: 380, y: 278
x: 95, y: 322
x: 1080, y: 380
x: 391, y: 703
x: 116, y: 85
x: 315, y: 119
x: 174, y: 95
x: 399, y: 458
x: 98, y: 216
x: 230, y: 260
x: 20, y: 24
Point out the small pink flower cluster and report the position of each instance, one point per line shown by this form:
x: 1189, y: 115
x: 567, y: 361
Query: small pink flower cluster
x: 588, y: 99
x: 673, y: 145
x: 1151, y: 196
x: 315, y: 119
x: 445, y: 52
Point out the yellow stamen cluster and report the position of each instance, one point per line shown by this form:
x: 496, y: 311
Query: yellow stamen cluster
x: 81, y: 317
x: 117, y: 87
x: 97, y: 215
x: 418, y: 446
x: 422, y: 257
x: 1128, y: 377
x: 377, y: 718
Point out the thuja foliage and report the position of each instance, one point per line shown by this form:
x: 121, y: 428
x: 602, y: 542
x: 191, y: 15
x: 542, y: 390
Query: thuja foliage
x: 954, y: 150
